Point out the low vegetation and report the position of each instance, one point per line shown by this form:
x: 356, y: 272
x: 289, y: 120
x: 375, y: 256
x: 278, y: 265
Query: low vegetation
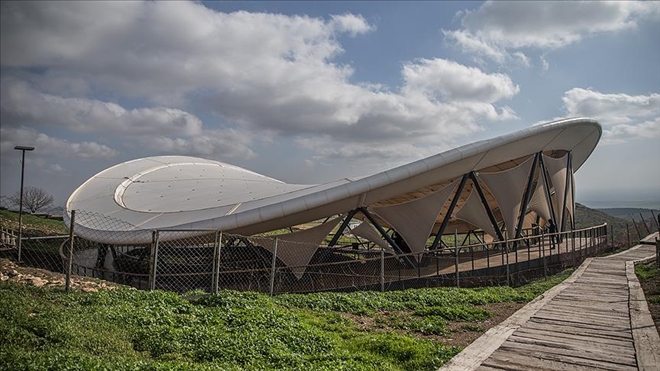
x: 41, y: 328
x: 649, y: 278
x: 34, y: 226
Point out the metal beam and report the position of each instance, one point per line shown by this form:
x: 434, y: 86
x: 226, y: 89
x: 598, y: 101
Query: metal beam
x: 548, y: 195
x: 386, y: 236
x: 445, y: 222
x: 484, y: 202
x: 568, y: 183
x: 343, y: 226
x: 528, y: 195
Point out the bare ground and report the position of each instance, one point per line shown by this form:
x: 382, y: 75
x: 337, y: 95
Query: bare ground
x: 10, y: 271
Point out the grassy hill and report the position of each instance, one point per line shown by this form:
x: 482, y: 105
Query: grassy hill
x: 585, y: 217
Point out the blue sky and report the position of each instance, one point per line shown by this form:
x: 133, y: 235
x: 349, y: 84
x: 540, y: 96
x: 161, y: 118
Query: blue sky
x: 308, y: 92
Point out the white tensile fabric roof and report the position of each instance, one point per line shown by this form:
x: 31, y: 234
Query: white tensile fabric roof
x: 179, y: 192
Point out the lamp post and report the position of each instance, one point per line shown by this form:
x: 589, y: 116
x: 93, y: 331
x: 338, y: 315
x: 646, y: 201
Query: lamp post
x: 20, y: 202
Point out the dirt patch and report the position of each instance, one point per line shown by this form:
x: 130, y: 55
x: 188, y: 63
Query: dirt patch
x: 458, y: 333
x: 10, y: 271
x: 464, y: 333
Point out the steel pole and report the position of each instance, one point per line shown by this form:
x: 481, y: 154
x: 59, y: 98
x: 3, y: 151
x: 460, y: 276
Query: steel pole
x: 69, y: 260
x: 20, y: 208
x: 382, y: 269
x: 272, y: 272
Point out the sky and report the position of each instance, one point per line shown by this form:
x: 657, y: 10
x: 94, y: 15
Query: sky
x: 309, y: 92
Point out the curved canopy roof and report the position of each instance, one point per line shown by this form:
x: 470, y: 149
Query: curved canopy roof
x: 179, y: 192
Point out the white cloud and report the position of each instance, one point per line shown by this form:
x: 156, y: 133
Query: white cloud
x: 396, y: 153
x: 455, y: 82
x: 624, y: 132
x: 351, y: 23
x: 50, y: 146
x: 22, y: 104
x: 473, y: 45
x: 624, y: 117
x: 611, y: 109
x: 545, y: 65
x: 498, y: 28
x: 214, y: 143
x: 55, y: 168
x: 252, y: 72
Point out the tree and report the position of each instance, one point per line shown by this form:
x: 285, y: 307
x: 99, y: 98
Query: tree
x: 34, y: 199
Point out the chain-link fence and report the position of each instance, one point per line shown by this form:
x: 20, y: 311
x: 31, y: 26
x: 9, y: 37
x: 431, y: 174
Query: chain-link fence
x: 208, y: 260
x: 185, y: 260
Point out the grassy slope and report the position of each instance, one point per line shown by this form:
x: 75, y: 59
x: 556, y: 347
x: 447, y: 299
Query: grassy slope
x: 586, y: 217
x: 649, y: 278
x: 129, y: 329
x: 33, y: 225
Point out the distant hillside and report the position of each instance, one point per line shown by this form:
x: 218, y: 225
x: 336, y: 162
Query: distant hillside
x: 631, y: 213
x: 586, y: 217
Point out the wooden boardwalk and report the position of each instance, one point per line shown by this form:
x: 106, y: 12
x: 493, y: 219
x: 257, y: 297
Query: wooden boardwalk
x: 596, y: 320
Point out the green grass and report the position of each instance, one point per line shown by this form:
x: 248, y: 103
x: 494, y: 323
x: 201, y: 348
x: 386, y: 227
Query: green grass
x: 44, y: 329
x: 646, y: 271
x: 649, y: 277
x: 33, y: 225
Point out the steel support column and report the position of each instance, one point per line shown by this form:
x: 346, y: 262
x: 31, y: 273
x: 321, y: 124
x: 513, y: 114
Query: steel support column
x: 484, y: 202
x: 343, y: 226
x: 528, y: 195
x: 569, y: 176
x: 572, y: 195
x: 386, y: 236
x: 445, y: 222
x: 548, y: 195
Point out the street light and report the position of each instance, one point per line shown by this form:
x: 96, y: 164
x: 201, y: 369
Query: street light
x: 20, y: 202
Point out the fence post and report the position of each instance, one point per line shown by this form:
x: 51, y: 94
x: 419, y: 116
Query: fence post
x: 215, y: 284
x: 69, y: 259
x: 382, y: 269
x: 657, y: 252
x: 543, y: 253
x: 573, y: 247
x: 628, y: 233
x: 508, y: 272
x: 612, y: 237
x: 153, y: 260
x: 458, y: 281
x: 272, y: 268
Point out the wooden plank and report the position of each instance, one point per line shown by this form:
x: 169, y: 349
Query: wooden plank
x: 572, y: 335
x: 596, y: 298
x: 578, y: 321
x: 512, y: 360
x: 581, y: 327
x: 579, y: 345
x: 572, y: 311
x: 488, y: 368
x: 572, y: 357
x: 591, y: 305
x: 586, y: 303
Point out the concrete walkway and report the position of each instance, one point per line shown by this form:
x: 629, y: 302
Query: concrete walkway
x: 597, y: 319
